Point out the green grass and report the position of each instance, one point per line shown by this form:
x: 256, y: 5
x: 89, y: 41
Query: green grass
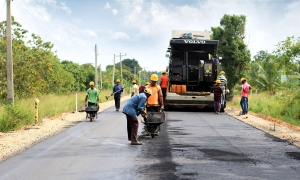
x: 13, y: 117
x: 284, y: 105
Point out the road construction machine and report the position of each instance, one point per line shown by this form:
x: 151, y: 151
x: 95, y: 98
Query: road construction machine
x: 192, y: 70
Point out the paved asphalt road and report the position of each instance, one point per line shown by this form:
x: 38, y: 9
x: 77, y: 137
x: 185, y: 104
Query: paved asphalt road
x: 191, y: 145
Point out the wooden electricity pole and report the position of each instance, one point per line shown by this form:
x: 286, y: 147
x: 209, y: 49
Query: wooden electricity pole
x: 9, y: 60
x: 96, y: 72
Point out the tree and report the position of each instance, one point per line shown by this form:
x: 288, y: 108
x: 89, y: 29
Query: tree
x: 265, y: 72
x: 131, y: 63
x: 288, y: 52
x: 236, y: 56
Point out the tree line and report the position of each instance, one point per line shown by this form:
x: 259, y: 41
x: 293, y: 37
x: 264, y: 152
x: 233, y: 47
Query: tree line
x: 38, y: 70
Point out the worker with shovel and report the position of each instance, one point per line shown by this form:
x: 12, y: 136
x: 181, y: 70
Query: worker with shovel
x: 117, y: 91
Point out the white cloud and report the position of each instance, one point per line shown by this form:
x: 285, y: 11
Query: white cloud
x: 65, y: 8
x: 114, y: 11
x: 119, y: 35
x: 107, y: 5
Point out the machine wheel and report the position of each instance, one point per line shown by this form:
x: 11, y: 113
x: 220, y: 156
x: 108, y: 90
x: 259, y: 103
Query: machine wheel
x: 152, y: 135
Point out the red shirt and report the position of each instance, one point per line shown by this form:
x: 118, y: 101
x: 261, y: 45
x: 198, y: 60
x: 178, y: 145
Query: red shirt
x: 164, y: 81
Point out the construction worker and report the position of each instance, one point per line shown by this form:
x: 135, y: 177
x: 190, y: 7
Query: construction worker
x: 164, y: 80
x: 134, y: 88
x: 223, y: 85
x: 218, y: 94
x: 132, y: 109
x: 92, y: 96
x: 117, y: 91
x: 155, y: 102
x: 142, y: 87
x: 244, y: 93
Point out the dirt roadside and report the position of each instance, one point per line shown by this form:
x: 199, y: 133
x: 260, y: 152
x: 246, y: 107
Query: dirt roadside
x: 17, y: 141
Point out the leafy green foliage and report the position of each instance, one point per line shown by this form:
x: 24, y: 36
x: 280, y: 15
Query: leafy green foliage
x: 15, y: 117
x: 236, y: 56
x: 264, y: 72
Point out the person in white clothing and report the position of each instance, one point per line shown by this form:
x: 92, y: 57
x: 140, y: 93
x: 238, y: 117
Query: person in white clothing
x: 134, y: 89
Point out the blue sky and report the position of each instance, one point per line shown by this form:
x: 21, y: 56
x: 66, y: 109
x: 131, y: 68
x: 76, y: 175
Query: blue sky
x: 141, y: 29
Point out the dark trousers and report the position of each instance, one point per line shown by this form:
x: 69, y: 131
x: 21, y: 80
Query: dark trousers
x: 132, y: 128
x: 217, y: 104
x: 164, y: 92
x: 117, y: 102
x: 244, y: 104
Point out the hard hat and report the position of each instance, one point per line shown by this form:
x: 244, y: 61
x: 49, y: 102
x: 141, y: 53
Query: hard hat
x: 163, y: 71
x: 222, y: 72
x: 147, y: 83
x: 133, y: 82
x: 118, y: 80
x: 91, y: 83
x: 148, y: 91
x: 218, y: 81
x: 153, y: 77
x: 243, y: 79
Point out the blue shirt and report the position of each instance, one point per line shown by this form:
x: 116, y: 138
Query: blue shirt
x: 135, y: 105
x: 117, y: 88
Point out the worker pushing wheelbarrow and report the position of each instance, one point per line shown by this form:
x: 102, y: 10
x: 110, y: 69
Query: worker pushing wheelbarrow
x: 152, y: 122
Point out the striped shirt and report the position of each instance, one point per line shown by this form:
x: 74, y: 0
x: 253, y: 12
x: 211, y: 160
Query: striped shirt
x: 223, y: 80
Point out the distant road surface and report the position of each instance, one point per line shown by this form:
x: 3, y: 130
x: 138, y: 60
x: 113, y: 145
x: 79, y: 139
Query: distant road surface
x: 191, y: 145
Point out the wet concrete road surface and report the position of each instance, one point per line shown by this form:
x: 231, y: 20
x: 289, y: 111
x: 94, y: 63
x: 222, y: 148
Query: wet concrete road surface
x: 191, y: 145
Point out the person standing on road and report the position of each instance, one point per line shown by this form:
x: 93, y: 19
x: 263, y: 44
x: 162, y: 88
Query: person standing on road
x: 132, y: 109
x: 92, y: 96
x: 134, y: 88
x: 164, y: 80
x: 244, y: 93
x: 117, y: 91
x: 223, y: 85
x: 218, y: 94
x: 155, y: 102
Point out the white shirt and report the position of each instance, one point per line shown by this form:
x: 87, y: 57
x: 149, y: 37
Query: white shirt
x: 135, y: 89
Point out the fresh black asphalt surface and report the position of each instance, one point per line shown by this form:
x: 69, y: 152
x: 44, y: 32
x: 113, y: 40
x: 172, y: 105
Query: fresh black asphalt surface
x: 191, y: 145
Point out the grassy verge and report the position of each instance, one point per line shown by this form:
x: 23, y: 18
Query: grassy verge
x: 21, y: 113
x: 284, y: 105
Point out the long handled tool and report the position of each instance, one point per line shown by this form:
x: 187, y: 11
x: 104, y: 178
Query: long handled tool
x: 113, y: 93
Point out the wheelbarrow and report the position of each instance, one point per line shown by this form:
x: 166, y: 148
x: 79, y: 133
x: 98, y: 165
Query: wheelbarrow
x: 91, y: 112
x: 152, y: 122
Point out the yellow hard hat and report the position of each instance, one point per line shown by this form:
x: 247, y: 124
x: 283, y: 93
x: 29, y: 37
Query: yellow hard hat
x: 91, y: 83
x: 222, y: 72
x: 133, y: 82
x: 148, y: 91
x: 218, y: 81
x: 153, y: 77
x: 118, y: 80
x: 243, y: 79
x: 147, y: 83
x: 163, y: 71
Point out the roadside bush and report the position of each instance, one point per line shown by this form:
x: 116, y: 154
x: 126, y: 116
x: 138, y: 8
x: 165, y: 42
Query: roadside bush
x: 284, y: 105
x: 14, y: 117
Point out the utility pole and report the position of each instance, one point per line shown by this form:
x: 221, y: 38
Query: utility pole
x: 139, y: 77
x: 113, y: 72
x: 96, y: 72
x: 134, y: 72
x: 121, y: 67
x: 9, y: 60
x: 100, y: 77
